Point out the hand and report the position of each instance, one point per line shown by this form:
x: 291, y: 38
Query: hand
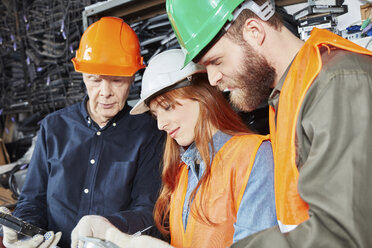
x: 124, y: 240
x: 89, y: 226
x: 10, y: 239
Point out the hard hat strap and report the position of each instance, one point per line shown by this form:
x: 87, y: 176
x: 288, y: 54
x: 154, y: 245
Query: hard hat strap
x: 264, y: 12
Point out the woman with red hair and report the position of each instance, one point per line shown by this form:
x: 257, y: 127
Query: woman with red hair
x: 217, y: 176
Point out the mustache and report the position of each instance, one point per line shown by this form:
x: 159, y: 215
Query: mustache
x: 221, y: 87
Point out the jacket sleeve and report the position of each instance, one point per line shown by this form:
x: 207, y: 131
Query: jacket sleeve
x: 31, y: 205
x: 146, y: 186
x: 257, y: 208
x: 335, y: 148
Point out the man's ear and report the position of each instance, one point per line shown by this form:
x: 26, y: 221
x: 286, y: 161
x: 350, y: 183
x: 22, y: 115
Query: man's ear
x: 254, y: 32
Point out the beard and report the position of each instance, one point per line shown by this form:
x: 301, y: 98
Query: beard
x: 253, y: 82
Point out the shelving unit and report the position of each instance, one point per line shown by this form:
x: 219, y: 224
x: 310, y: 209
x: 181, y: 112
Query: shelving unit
x: 130, y: 10
x: 137, y: 10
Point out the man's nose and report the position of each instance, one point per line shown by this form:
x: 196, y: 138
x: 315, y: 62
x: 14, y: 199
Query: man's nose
x: 106, y: 88
x: 214, y: 76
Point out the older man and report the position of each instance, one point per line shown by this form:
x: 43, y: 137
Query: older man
x: 93, y: 158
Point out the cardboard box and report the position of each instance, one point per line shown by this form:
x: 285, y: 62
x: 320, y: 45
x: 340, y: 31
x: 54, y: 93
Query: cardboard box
x: 4, y: 156
x: 365, y: 10
x: 9, y: 128
x: 7, y: 199
x: 6, y: 195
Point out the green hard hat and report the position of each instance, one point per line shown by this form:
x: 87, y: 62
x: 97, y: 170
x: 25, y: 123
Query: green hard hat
x: 197, y: 22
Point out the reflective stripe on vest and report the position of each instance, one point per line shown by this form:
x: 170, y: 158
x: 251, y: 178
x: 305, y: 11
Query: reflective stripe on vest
x: 291, y: 209
x: 230, y: 172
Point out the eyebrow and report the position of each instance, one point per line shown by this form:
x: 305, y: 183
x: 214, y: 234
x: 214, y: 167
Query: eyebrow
x: 207, y: 61
x: 92, y: 76
x: 202, y: 61
x: 104, y: 77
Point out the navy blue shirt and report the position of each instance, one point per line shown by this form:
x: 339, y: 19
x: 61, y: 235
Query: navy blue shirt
x: 78, y: 169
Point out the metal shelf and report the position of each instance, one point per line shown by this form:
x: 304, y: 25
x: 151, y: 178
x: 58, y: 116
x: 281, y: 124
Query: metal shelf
x: 137, y: 10
x: 130, y: 10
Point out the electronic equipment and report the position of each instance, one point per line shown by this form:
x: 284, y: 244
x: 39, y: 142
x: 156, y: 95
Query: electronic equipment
x: 19, y: 225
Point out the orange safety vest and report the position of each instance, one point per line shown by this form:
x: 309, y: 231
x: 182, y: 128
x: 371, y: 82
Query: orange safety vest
x: 291, y: 209
x: 229, y: 176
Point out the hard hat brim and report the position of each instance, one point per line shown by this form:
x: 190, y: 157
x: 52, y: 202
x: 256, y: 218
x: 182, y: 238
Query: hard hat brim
x: 141, y: 106
x: 112, y: 70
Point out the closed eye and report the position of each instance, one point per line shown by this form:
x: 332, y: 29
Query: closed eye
x: 165, y: 105
x: 215, y: 62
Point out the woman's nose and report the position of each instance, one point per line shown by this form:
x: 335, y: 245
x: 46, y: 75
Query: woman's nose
x: 161, y: 122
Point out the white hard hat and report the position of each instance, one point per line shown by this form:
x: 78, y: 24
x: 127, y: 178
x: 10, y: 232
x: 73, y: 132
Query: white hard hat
x: 164, y: 70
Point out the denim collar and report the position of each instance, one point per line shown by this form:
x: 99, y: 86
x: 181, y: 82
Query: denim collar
x: 191, y: 154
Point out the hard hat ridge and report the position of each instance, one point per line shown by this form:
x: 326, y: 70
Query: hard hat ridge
x: 109, y: 47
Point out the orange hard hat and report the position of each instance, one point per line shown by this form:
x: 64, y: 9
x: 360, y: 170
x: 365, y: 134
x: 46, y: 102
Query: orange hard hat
x: 109, y: 47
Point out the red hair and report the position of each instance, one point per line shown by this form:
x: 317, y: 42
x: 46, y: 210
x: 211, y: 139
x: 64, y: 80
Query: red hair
x: 215, y: 112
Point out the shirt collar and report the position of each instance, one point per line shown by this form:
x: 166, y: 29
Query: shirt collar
x: 274, y: 96
x: 191, y: 154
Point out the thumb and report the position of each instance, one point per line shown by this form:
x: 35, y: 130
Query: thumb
x: 32, y: 243
x: 74, y: 238
x: 117, y: 237
x: 9, y: 236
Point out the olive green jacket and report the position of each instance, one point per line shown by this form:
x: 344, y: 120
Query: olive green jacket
x: 334, y: 157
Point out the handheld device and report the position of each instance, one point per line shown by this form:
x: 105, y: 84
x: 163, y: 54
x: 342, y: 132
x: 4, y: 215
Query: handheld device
x: 90, y: 242
x: 19, y: 225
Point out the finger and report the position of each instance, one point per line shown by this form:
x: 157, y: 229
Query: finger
x: 5, y: 210
x: 56, y: 239
x: 147, y: 241
x: 81, y: 244
x: 117, y: 237
x: 34, y: 242
x: 9, y: 236
x: 74, y: 238
x: 48, y: 239
x: 75, y: 235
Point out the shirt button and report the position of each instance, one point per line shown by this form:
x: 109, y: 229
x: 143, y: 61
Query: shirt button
x: 86, y: 191
x: 92, y: 161
x: 98, y: 133
x: 114, y: 124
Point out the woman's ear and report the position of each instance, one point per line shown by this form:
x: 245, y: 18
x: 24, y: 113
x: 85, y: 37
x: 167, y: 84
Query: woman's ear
x: 254, y: 32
